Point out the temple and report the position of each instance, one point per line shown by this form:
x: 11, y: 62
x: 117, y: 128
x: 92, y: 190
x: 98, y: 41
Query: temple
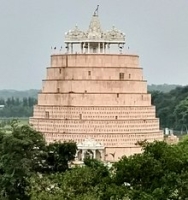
x: 95, y: 97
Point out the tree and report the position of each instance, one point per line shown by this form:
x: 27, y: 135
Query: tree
x: 77, y: 183
x: 59, y: 156
x: 89, y: 182
x: 181, y: 114
x: 45, y: 187
x: 160, y: 172
x: 21, y: 154
x: 166, y: 104
x: 24, y: 154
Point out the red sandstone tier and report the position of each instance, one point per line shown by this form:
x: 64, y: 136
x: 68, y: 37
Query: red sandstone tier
x: 95, y: 126
x: 94, y: 112
x: 99, y: 96
x: 94, y: 86
x: 93, y: 73
x: 93, y: 99
x: 95, y: 60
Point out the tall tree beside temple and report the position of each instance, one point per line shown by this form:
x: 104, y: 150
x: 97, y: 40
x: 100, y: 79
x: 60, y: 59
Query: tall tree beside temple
x: 24, y: 154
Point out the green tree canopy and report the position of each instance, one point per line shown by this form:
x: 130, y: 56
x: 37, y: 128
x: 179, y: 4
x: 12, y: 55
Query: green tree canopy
x: 21, y: 153
x: 181, y: 114
x: 160, y: 172
x: 59, y: 155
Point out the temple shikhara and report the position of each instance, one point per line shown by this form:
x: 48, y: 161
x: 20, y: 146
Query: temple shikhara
x: 95, y: 97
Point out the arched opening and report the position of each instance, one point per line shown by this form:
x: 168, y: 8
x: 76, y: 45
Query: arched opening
x: 79, y: 155
x: 89, y: 154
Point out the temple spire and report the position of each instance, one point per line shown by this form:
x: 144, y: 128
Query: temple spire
x: 95, y: 30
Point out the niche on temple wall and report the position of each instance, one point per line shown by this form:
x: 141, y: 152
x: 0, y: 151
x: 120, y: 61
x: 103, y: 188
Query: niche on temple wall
x: 121, y: 76
x: 79, y: 155
x: 47, y: 114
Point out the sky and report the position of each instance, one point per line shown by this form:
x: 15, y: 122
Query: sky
x: 155, y: 30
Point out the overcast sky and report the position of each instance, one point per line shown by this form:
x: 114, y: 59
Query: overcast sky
x: 157, y: 30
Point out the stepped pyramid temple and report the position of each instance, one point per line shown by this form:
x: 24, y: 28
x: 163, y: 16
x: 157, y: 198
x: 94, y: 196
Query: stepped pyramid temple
x: 95, y: 97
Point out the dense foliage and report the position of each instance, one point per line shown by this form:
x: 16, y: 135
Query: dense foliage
x: 24, y: 154
x: 172, y: 108
x: 159, y: 173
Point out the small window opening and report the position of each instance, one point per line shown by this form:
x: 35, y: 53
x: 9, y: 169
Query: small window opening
x: 117, y: 95
x: 116, y: 117
x: 58, y: 90
x: 89, y: 73
x: 121, y: 76
x: 60, y: 71
x: 129, y: 75
x: 80, y: 116
x: 47, y: 115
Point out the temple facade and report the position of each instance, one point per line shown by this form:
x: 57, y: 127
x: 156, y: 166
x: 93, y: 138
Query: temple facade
x: 95, y: 97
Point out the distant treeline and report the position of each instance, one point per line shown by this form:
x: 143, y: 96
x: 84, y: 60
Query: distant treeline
x: 15, y: 107
x: 162, y: 87
x: 18, y: 94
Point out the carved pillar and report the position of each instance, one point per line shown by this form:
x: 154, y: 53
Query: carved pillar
x: 83, y: 154
x: 94, y: 154
x: 84, y: 46
x: 88, y: 47
x: 76, y: 155
x: 72, y: 48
